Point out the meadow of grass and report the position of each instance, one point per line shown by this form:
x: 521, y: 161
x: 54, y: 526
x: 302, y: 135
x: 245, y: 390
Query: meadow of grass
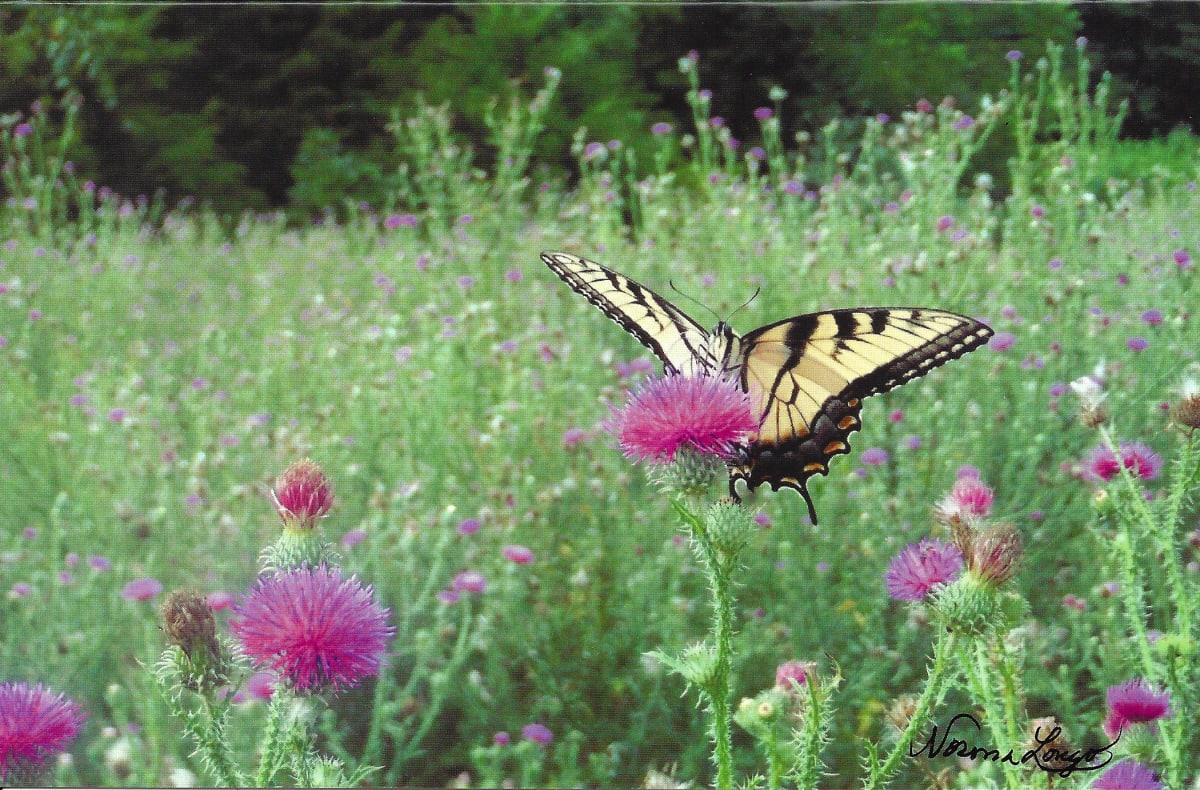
x: 161, y: 367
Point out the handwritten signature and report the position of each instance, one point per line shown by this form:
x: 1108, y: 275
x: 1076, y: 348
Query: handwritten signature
x: 1048, y: 759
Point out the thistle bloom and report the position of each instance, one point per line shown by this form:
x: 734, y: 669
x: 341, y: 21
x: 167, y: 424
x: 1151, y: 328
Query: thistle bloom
x: 518, y: 554
x: 141, y: 589
x: 711, y: 415
x: 538, y: 733
x: 1102, y: 465
x: 1133, y: 703
x: 35, y: 723
x: 969, y: 500
x: 790, y: 674
x: 303, y: 494
x: 314, y: 628
x: 922, y: 566
x: 1127, y: 775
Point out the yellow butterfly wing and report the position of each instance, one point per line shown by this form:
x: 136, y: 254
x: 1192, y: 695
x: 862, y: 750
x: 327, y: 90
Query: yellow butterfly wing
x: 809, y: 374
x: 683, y: 345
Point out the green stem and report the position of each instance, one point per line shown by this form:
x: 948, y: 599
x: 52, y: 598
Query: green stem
x: 272, y: 743
x: 935, y: 689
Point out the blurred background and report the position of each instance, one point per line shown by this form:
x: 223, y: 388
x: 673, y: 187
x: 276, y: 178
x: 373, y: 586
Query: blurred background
x: 257, y: 107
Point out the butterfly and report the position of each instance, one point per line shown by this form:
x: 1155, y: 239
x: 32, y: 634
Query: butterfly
x: 806, y: 375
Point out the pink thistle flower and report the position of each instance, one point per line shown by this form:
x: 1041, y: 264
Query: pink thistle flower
x: 922, y: 566
x: 793, y: 672
x: 970, y: 499
x: 945, y: 223
x: 141, y: 589
x: 261, y: 685
x: 469, y: 581
x: 35, y: 723
x: 924, y: 106
x: 874, y: 456
x: 763, y: 113
x: 219, y: 600
x: 1127, y: 775
x: 303, y: 494
x: 1152, y: 317
x: 662, y: 127
x: 1137, y: 343
x: 502, y: 738
x: 1135, y: 702
x: 314, y: 628
x: 538, y: 733
x: 469, y: 526
x: 711, y: 415
x: 518, y: 554
x: 1002, y: 341
x: 353, y: 538
x: 572, y: 437
x: 1183, y: 259
x: 1102, y: 465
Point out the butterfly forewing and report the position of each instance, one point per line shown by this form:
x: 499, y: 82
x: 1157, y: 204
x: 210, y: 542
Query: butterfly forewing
x: 682, y: 344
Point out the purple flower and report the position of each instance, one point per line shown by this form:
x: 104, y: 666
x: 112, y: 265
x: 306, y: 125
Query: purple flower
x: 793, y: 187
x: 757, y: 153
x: 883, y: 117
x: 763, y: 113
x: 1101, y: 465
x: 35, y: 723
x: 141, y: 589
x: 1152, y: 317
x: 1137, y: 343
x: 353, y: 538
x: 706, y: 413
x: 469, y: 581
x: 1127, y: 774
x: 314, y: 628
x: 660, y: 128
x: 944, y: 223
x: 965, y: 122
x: 502, y: 738
x: 573, y: 436
x: 261, y: 685
x: 518, y: 554
x: 99, y: 563
x: 219, y: 600
x: 1183, y: 258
x: 1135, y: 702
x: 874, y: 456
x: 1013, y: 55
x: 400, y: 221
x: 303, y: 495
x: 593, y: 150
x: 22, y: 130
x: 1002, y: 341
x: 793, y: 673
x: 1037, y: 211
x: 538, y: 733
x: 920, y: 567
x: 469, y: 526
x: 1054, y: 263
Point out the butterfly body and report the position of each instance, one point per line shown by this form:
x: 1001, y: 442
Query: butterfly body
x: 806, y: 375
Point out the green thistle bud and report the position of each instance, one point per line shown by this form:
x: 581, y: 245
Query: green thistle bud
x: 729, y: 525
x: 967, y: 606
x: 689, y: 473
x: 697, y: 664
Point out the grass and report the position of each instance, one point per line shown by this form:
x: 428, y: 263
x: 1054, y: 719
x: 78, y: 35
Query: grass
x: 155, y: 377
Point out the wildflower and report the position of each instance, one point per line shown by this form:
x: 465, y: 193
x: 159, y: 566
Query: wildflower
x: 353, y: 538
x: 1127, y: 775
x: 1101, y: 463
x: 35, y: 723
x: 502, y: 738
x: 538, y: 733
x: 1135, y: 702
x: 965, y: 122
x: 469, y: 581
x: 1013, y: 55
x: 1002, y: 341
x: 261, y: 685
x: 708, y: 414
x: 883, y: 118
x: 1152, y: 317
x: 1183, y: 259
x: 1091, y: 400
x: 661, y: 128
x: 944, y: 223
x: 970, y: 499
x: 187, y: 621
x: 922, y: 566
x: 518, y: 554
x: 874, y: 456
x: 1187, y: 411
x: 763, y: 113
x: 141, y: 589
x: 22, y: 130
x: 923, y: 106
x: 99, y: 563
x: 219, y: 600
x: 469, y: 526
x: 1054, y: 264
x: 303, y: 494
x: 792, y: 674
x: 1037, y: 211
x: 400, y: 221
x: 313, y: 627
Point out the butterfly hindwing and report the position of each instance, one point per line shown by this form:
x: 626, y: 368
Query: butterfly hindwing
x: 682, y: 344
x: 809, y: 374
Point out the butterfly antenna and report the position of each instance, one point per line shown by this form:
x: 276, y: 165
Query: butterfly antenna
x: 753, y: 296
x: 693, y: 300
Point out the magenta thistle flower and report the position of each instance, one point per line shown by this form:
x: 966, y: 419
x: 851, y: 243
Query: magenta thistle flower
x: 711, y: 415
x: 538, y: 733
x: 1002, y: 341
x: 469, y: 526
x: 922, y: 566
x: 793, y: 671
x: 303, y: 494
x: 502, y: 738
x: 141, y: 589
x: 662, y: 127
x: 518, y: 554
x: 1102, y: 465
x: 35, y: 723
x: 314, y: 628
x: 469, y: 581
x: 1127, y: 775
x: 1135, y: 702
x: 874, y: 456
x: 969, y: 500
x: 763, y: 113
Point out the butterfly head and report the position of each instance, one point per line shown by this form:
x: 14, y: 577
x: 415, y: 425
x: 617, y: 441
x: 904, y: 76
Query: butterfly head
x: 724, y: 345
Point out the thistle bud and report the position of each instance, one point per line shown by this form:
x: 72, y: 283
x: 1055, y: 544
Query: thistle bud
x: 303, y: 495
x: 994, y: 554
